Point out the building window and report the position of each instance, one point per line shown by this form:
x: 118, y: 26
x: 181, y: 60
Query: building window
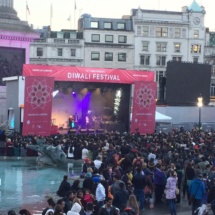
x: 122, y: 39
x: 196, y: 48
x: 161, y: 60
x: 121, y: 26
x: 60, y: 52
x: 145, y: 60
x: 107, y: 25
x: 145, y: 31
x: 108, y: 56
x: 161, y: 47
x: 177, y: 32
x: 196, y: 34
x: 66, y: 35
x: 108, y: 38
x: 95, y: 38
x: 195, y: 60
x: 39, y: 52
x: 122, y: 57
x: 159, y: 75
x: 95, y: 55
x: 177, y: 47
x: 139, y: 30
x: 73, y: 52
x: 212, y: 93
x: 177, y: 59
x: 161, y: 32
x: 145, y: 46
x: 94, y: 24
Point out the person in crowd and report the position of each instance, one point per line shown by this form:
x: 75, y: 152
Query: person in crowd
x: 100, y: 192
x: 87, y: 164
x: 115, y: 185
x: 133, y: 204
x: 197, y: 192
x: 61, y: 202
x: 64, y: 187
x: 179, y: 173
x: 75, y: 210
x: 170, y: 188
x: 11, y: 212
x: 120, y: 197
x: 189, y: 176
x: 159, y: 183
x: 89, y: 209
x: 24, y: 212
x: 76, y: 185
x: 88, y: 197
x: 139, y: 183
x: 58, y: 210
x: 85, y: 152
x: 108, y: 208
x: 211, y: 197
x: 71, y: 195
x: 50, y: 209
x: 97, y: 162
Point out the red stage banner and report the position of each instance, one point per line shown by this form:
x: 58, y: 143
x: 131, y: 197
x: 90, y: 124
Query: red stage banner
x: 144, y: 105
x: 84, y: 74
x: 38, y: 106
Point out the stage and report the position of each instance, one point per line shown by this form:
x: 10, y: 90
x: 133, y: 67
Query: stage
x: 108, y: 128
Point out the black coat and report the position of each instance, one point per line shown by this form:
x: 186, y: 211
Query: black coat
x: 120, y: 199
x: 63, y: 189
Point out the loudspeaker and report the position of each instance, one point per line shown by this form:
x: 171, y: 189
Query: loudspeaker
x: 72, y: 131
x: 100, y: 131
x: 83, y: 131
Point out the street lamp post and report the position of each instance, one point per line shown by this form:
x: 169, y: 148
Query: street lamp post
x: 200, y: 104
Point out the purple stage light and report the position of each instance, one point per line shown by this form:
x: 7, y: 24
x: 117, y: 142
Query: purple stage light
x: 73, y: 93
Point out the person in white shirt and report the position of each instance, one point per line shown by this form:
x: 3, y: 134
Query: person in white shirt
x: 97, y: 162
x: 85, y: 152
x: 100, y: 192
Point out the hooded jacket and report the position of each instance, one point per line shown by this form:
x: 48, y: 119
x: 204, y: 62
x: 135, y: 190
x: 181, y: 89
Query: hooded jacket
x: 75, y: 210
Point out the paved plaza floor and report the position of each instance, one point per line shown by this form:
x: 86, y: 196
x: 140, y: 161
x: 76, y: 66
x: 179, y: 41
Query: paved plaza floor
x: 23, y: 184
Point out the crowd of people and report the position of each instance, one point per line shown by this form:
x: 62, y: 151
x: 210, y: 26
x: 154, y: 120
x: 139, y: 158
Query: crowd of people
x: 125, y: 174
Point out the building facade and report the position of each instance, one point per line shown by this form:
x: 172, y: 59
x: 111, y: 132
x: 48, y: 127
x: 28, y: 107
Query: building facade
x: 209, y: 57
x: 162, y: 36
x: 109, y: 43
x: 65, y: 47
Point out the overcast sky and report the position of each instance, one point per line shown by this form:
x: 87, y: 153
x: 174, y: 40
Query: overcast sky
x: 63, y: 9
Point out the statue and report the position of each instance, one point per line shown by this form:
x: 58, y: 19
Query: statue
x: 48, y: 154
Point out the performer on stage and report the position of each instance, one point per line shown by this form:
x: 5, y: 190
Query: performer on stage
x: 71, y: 122
x: 87, y: 120
x: 75, y: 117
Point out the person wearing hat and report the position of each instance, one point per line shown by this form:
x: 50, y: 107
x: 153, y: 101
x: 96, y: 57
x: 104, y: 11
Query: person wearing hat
x: 197, y: 192
x: 87, y: 164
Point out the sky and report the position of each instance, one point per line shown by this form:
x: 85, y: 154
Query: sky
x: 62, y: 10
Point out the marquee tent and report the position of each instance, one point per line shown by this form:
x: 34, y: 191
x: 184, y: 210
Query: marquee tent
x: 159, y: 117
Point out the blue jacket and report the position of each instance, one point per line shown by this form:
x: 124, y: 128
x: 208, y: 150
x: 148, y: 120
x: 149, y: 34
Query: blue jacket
x: 159, y: 177
x: 197, y: 189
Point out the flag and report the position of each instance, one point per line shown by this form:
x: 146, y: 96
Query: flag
x: 27, y: 8
x: 69, y: 18
x: 75, y: 5
x: 51, y: 11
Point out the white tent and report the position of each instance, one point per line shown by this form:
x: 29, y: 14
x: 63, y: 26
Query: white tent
x: 159, y: 117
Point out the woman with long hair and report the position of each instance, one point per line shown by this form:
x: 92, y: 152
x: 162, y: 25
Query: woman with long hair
x: 133, y: 204
x: 171, y: 186
x: 58, y: 210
